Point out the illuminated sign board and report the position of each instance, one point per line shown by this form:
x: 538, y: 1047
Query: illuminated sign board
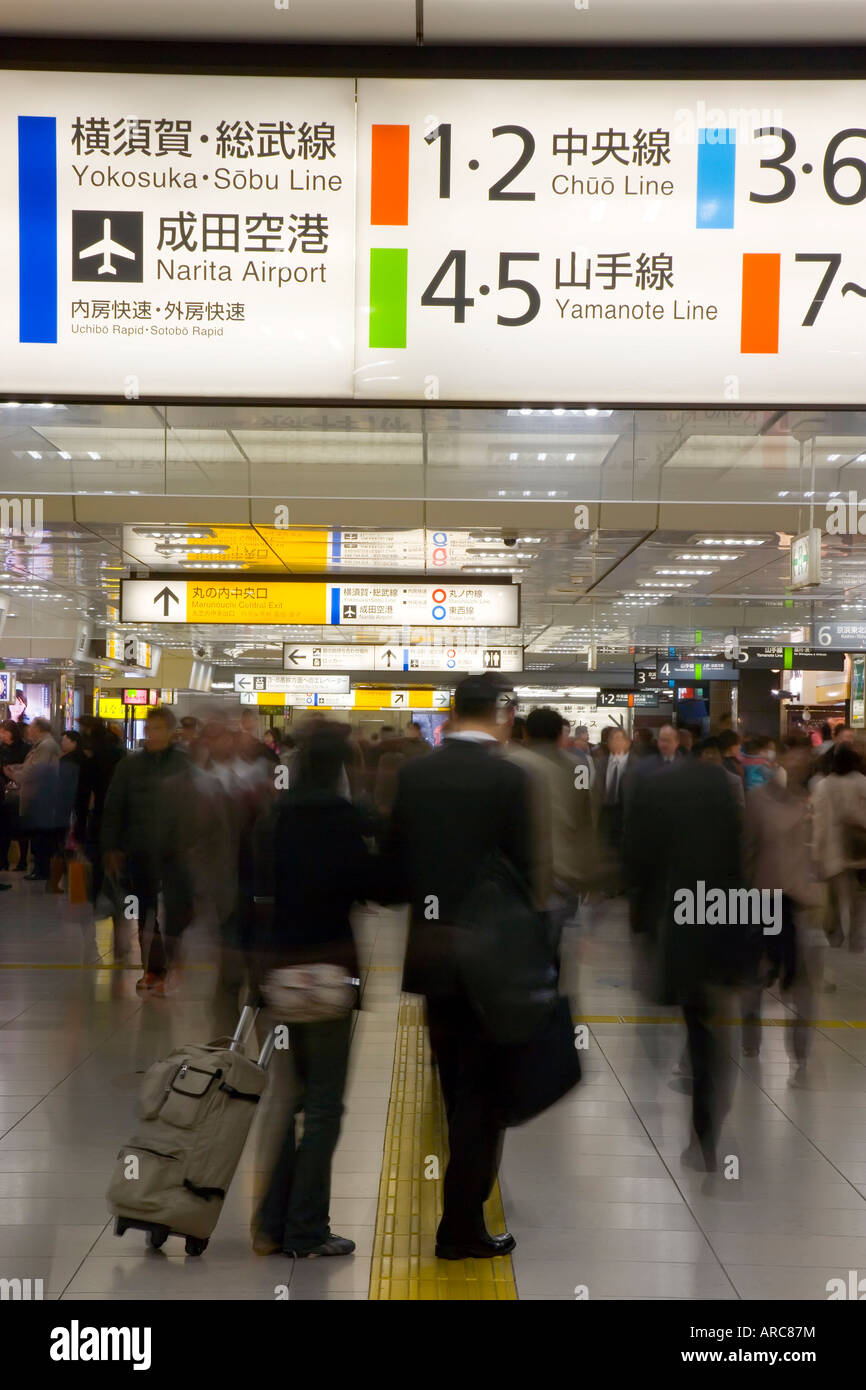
x: 396, y: 657
x: 350, y: 604
x: 283, y: 682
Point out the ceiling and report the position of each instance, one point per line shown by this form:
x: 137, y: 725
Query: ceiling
x: 450, y: 21
x: 622, y: 527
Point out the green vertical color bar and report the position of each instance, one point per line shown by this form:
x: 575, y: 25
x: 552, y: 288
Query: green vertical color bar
x: 789, y: 659
x: 699, y: 637
x: 388, y: 279
x: 698, y: 669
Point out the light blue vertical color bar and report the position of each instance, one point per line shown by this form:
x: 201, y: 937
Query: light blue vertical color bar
x: 717, y: 157
x: 37, y: 229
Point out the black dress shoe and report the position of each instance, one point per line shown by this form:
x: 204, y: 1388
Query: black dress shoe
x: 483, y: 1247
x: 35, y: 878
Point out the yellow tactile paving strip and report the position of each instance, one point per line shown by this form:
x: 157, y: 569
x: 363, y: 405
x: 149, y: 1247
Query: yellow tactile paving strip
x: 410, y: 1204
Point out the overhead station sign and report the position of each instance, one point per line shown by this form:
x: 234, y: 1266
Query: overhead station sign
x: 680, y: 241
x: 846, y: 637
x: 627, y: 699
x: 359, y: 699
x: 395, y: 657
x: 170, y: 234
x: 697, y: 670
x: 281, y: 682
x: 304, y: 550
x: 278, y: 601
x: 166, y: 234
x: 792, y: 659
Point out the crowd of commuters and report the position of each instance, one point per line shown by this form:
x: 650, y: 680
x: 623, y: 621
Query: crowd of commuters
x: 275, y: 837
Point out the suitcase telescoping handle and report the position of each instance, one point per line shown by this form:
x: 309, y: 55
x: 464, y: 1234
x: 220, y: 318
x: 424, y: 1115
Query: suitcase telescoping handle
x: 246, y: 1023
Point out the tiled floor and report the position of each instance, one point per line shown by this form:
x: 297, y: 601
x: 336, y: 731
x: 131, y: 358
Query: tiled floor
x: 593, y: 1190
x: 73, y: 1044
x: 599, y: 1202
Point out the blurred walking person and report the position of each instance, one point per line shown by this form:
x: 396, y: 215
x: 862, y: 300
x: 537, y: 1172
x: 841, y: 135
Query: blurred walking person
x: 778, y: 855
x: 13, y: 750
x: 840, y: 843
x: 37, y: 779
x: 691, y: 962
x: 102, y: 753
x: 231, y: 794
x: 147, y: 822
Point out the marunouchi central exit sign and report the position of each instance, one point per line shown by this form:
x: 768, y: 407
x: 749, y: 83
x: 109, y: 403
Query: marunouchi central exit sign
x: 276, y: 602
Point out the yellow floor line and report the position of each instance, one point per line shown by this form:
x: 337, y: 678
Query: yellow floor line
x: 410, y: 1204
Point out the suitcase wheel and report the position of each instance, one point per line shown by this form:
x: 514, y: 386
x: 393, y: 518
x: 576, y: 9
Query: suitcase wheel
x: 195, y: 1245
x: 119, y: 1226
x: 157, y: 1236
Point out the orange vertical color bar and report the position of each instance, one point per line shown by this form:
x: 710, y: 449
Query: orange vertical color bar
x: 389, y: 176
x: 759, y: 325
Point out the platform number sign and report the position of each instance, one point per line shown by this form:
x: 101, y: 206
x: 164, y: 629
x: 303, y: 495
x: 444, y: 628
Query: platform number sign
x: 646, y: 675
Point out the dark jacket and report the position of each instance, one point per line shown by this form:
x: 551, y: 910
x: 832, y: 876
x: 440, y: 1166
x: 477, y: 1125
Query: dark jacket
x: 451, y: 811
x: 147, y: 809
x: 11, y: 753
x: 94, y: 779
x: 69, y: 770
x: 312, y: 861
x: 684, y: 827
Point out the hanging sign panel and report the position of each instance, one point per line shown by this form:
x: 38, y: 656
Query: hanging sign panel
x: 846, y: 637
x: 307, y: 550
x: 316, y: 602
x: 627, y: 699
x: 791, y: 659
x: 395, y: 657
x: 611, y: 240
x: 358, y: 699
x: 699, y: 670
x: 168, y: 235
x: 279, y: 682
x: 176, y: 235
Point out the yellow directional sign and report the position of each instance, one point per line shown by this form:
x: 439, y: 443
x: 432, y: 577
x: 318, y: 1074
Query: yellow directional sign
x: 349, y: 603
x: 360, y: 699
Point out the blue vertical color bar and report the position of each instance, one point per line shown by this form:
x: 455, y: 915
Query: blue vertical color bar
x: 335, y: 606
x: 717, y: 157
x: 37, y: 229
x: 336, y: 547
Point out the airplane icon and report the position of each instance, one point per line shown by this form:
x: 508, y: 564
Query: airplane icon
x: 106, y: 248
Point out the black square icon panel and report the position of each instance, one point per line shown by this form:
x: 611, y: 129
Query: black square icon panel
x: 108, y: 246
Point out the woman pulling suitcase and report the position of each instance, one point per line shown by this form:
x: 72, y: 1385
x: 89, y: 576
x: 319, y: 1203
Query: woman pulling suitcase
x: 312, y: 866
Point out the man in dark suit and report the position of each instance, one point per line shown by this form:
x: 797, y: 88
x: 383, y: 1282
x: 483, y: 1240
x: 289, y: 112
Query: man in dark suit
x: 683, y: 841
x: 453, y: 809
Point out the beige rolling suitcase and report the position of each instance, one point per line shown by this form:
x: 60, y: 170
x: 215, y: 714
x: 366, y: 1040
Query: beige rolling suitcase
x: 195, y: 1109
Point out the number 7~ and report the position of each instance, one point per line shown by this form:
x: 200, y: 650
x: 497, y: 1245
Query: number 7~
x: 833, y: 260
